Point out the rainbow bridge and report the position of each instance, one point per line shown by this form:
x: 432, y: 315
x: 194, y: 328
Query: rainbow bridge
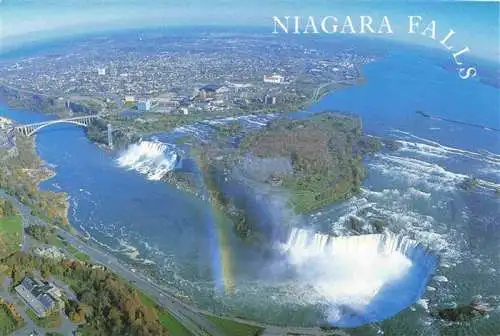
x: 30, y: 129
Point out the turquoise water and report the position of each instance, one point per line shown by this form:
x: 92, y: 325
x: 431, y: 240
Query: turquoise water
x: 171, y: 235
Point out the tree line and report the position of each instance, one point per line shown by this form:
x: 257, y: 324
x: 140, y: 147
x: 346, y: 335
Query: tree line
x: 7, y: 209
x: 105, y: 304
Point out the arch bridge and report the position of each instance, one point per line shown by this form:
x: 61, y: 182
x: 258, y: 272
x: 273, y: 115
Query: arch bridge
x: 30, y: 129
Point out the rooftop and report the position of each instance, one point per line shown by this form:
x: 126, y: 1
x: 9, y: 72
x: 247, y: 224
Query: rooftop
x: 210, y: 87
x: 41, y: 296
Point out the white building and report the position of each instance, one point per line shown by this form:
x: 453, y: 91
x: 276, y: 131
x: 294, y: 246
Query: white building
x: 51, y: 252
x: 144, y: 105
x: 222, y: 89
x: 129, y: 99
x: 101, y: 71
x: 5, y: 123
x: 275, y: 79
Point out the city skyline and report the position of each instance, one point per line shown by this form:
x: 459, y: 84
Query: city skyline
x: 23, y: 21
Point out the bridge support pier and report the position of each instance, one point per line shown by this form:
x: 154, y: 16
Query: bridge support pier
x: 110, y: 136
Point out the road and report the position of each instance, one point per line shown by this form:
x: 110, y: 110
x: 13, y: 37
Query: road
x: 191, y: 317
x: 192, y: 320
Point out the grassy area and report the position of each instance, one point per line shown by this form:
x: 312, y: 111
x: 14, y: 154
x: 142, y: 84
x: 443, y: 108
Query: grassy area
x: 20, y: 175
x: 76, y: 253
x: 168, y: 321
x: 81, y: 256
x: 235, y: 328
x: 71, y: 249
x: 10, y: 234
x: 51, y: 321
x: 146, y: 299
x: 8, y: 324
x: 174, y: 326
x: 55, y: 241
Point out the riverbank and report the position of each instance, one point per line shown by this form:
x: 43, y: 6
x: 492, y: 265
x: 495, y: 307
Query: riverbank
x: 129, y: 129
x: 21, y: 173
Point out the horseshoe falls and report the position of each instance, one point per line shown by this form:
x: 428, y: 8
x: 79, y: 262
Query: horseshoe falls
x: 151, y: 158
x: 364, y: 278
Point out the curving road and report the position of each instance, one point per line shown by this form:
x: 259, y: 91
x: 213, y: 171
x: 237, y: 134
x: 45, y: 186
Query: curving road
x: 191, y: 317
x: 193, y: 321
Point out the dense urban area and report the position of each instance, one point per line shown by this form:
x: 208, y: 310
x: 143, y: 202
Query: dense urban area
x: 143, y: 83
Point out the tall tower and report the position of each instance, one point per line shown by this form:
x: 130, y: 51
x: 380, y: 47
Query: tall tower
x: 110, y: 136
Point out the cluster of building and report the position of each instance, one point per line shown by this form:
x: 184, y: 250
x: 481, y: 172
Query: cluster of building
x: 188, y: 74
x: 5, y: 124
x: 41, y: 296
x: 50, y: 252
x: 6, y: 133
x: 208, y: 97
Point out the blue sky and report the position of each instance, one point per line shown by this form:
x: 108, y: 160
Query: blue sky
x: 475, y: 22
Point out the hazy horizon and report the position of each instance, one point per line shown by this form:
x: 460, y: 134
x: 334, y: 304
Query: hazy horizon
x: 24, y: 21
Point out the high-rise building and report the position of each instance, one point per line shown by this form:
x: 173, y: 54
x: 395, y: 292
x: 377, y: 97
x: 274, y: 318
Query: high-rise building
x: 270, y: 100
x: 110, y: 136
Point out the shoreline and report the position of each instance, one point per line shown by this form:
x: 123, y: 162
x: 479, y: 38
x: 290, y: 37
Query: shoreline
x: 129, y: 262
x: 50, y: 174
x: 27, y: 171
x: 186, y: 301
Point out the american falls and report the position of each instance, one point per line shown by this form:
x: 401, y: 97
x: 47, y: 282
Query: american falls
x: 151, y: 158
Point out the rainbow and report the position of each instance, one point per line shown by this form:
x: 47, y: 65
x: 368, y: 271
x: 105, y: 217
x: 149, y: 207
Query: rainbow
x: 218, y: 226
x: 222, y: 262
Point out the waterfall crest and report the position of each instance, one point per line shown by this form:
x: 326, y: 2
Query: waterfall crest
x: 363, y: 278
x: 151, y: 158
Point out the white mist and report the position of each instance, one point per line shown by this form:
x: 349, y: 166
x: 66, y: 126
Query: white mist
x: 151, y: 158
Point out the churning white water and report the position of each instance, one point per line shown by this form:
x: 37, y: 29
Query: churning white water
x: 151, y: 158
x: 354, y: 272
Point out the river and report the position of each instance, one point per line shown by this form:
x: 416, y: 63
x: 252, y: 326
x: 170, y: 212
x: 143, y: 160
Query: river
x: 170, y: 234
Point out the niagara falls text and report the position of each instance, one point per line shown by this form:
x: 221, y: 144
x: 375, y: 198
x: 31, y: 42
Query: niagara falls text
x: 365, y: 24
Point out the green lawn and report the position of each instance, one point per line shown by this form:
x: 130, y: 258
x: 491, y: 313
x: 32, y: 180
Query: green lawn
x: 51, y: 321
x: 234, y: 328
x: 81, y: 256
x: 55, y: 241
x: 76, y: 253
x: 174, y: 326
x: 11, y: 229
